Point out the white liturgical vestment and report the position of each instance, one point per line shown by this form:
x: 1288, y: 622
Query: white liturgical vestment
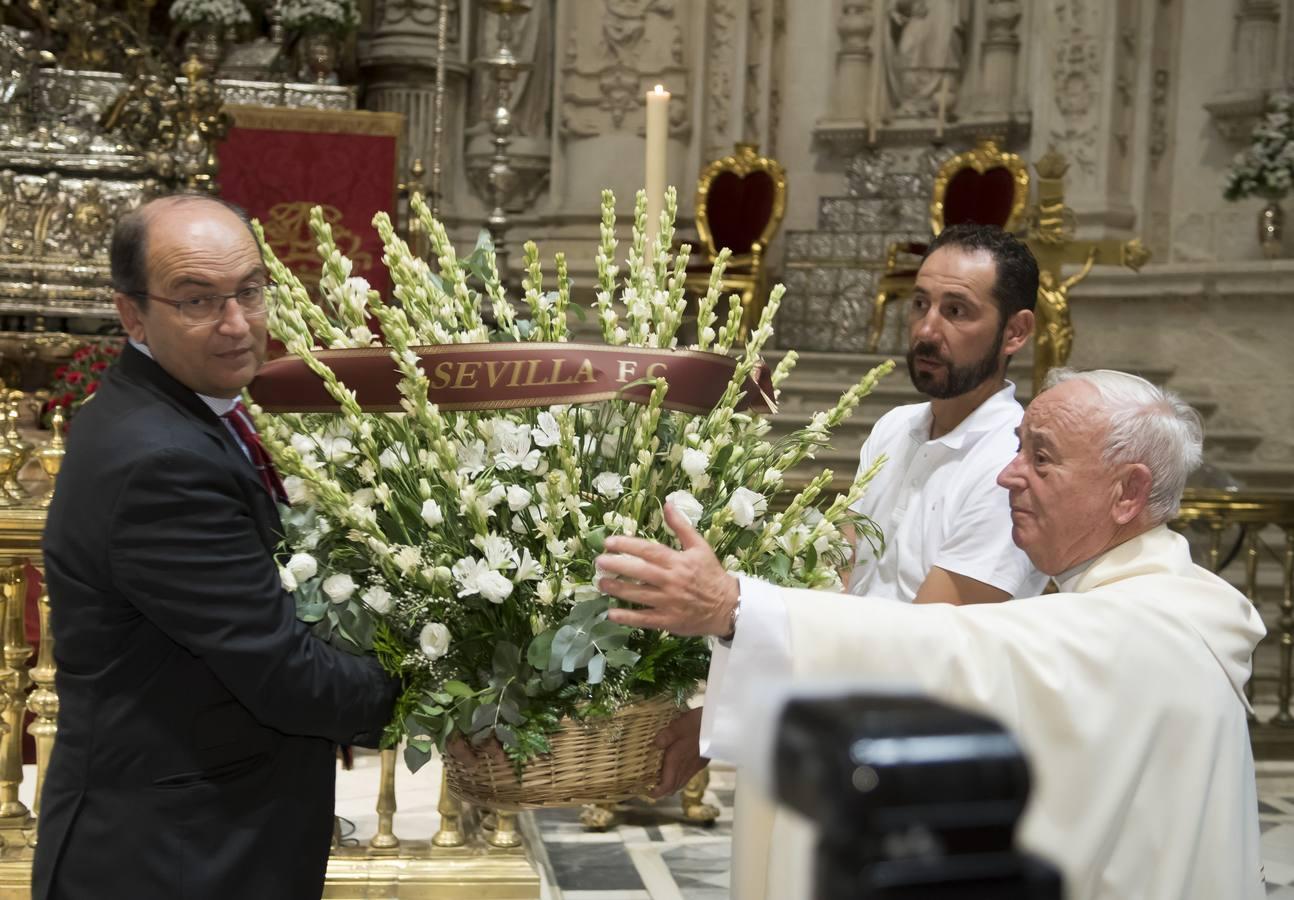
x: 1125, y: 691
x: 938, y: 503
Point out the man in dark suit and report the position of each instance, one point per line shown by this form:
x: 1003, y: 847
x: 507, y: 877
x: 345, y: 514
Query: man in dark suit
x: 198, y: 719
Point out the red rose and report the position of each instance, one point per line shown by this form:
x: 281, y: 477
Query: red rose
x: 66, y: 399
x: 91, y: 388
x: 75, y: 377
x: 98, y: 366
x: 60, y: 372
x: 82, y: 353
x: 112, y: 350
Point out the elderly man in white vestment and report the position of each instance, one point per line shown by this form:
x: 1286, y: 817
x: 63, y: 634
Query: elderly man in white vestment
x: 1125, y: 689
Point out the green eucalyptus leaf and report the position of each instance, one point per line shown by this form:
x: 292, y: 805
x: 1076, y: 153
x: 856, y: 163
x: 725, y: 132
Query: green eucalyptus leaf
x: 457, y: 689
x: 597, y: 668
x: 414, y: 758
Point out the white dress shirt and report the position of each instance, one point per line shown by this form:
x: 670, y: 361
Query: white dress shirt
x: 938, y: 503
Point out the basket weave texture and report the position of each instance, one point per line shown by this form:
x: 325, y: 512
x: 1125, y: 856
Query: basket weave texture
x: 604, y: 760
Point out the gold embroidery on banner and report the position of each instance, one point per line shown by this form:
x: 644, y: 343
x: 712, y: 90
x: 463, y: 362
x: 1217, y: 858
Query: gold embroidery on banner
x: 287, y: 231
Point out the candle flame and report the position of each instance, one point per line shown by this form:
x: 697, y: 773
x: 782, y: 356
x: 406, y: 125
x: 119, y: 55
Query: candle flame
x: 660, y: 88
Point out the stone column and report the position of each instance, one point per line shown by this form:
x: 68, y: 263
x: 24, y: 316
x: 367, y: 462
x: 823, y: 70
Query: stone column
x: 398, y: 59
x: 852, y: 92
x: 1001, y: 50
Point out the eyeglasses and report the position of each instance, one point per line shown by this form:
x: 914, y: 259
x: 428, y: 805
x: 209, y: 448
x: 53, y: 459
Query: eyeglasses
x: 210, y: 308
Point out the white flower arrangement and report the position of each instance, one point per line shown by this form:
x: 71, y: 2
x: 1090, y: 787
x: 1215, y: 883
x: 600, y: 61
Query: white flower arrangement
x: 1266, y: 168
x: 459, y: 546
x: 338, y: 16
x: 222, y: 13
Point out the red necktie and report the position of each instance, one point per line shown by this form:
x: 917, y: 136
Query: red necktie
x: 239, y: 418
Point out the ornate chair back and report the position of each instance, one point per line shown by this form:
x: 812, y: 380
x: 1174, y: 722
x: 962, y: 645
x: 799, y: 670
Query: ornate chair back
x: 740, y: 201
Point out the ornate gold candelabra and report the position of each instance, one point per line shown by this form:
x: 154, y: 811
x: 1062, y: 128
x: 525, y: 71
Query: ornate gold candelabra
x: 21, y: 447
x: 50, y: 456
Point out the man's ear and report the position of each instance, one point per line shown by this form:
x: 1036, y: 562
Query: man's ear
x: 1018, y: 330
x: 1134, y: 493
x: 132, y: 318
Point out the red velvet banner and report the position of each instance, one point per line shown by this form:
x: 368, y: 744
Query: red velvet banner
x: 277, y: 163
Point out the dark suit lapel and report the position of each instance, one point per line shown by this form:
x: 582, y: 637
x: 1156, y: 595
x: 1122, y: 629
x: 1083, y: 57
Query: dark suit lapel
x: 145, y: 371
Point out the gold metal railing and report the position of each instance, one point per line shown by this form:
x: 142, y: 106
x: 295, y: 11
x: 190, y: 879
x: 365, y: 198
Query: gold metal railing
x: 1240, y: 526
x: 473, y: 853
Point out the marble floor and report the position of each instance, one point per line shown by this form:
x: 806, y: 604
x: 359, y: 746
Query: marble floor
x: 654, y: 854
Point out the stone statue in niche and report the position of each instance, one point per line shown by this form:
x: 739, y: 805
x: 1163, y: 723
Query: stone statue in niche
x: 925, y: 56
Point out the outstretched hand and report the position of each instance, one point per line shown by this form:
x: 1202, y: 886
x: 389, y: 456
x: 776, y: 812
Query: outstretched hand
x: 681, y: 741
x: 686, y: 592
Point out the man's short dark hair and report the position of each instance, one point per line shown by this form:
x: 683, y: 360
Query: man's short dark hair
x: 128, y: 253
x: 1016, y: 285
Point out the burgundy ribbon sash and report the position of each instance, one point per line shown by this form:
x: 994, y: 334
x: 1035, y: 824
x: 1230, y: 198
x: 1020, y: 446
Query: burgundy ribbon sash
x: 514, y: 375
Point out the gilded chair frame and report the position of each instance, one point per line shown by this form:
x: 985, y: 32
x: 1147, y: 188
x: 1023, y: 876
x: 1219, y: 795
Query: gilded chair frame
x: 743, y: 161
x: 897, y: 280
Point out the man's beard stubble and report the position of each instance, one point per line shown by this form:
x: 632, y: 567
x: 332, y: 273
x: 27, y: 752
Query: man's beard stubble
x: 957, y: 380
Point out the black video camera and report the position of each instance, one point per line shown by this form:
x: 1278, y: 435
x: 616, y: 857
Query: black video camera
x: 912, y: 799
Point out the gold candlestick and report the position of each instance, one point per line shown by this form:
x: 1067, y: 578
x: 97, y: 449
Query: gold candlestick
x: 43, y: 702
x: 51, y: 455
x: 385, y: 838
x: 8, y: 456
x: 505, y: 835
x: 21, y: 446
x: 450, y: 833
x: 13, y: 812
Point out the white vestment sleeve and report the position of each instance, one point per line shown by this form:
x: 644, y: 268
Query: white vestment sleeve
x: 759, y: 652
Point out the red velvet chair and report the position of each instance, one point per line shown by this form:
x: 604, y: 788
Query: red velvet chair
x: 985, y: 185
x: 740, y: 201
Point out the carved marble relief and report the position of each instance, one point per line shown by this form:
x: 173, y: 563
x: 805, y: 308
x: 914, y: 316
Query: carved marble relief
x: 925, y: 56
x: 612, y: 58
x: 721, y: 62
x: 1076, y: 83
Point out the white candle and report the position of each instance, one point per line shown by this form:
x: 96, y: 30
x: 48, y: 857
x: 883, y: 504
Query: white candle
x: 657, y: 151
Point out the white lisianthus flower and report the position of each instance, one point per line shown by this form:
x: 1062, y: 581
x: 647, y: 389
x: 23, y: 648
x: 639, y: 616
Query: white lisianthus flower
x: 609, y: 485
x: 518, y: 497
x: 467, y: 574
x: 688, y: 505
x: 514, y: 449
x: 494, y: 587
x: 610, y: 444
x: 298, y: 491
x: 407, y: 559
x: 547, y: 433
x: 303, y: 567
x: 431, y: 513
x: 378, y: 599
x: 288, y: 579
x: 494, y: 496
x: 303, y: 444
x: 339, y: 587
x: 336, y: 449
x: 433, y: 640
x: 695, y: 462
x: 747, y: 506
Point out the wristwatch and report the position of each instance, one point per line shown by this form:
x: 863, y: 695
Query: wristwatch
x: 732, y: 621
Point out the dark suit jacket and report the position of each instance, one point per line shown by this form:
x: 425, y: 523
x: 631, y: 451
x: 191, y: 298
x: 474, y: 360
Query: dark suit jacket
x: 198, y: 719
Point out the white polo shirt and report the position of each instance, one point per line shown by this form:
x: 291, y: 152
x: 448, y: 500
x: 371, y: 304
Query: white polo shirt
x: 938, y: 502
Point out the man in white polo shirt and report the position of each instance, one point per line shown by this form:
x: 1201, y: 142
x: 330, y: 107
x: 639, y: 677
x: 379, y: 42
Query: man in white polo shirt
x: 946, y: 522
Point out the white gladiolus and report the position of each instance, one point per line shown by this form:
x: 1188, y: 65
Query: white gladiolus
x: 378, y: 599
x: 688, y: 505
x: 339, y: 587
x: 609, y: 485
x: 528, y: 569
x: 747, y: 506
x: 433, y: 640
x: 303, y: 567
x: 363, y: 497
x: 431, y: 513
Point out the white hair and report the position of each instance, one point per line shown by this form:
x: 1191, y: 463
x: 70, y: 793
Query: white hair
x: 1147, y: 425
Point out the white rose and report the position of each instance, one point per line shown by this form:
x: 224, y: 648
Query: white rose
x: 518, y: 498
x: 288, y: 579
x: 297, y: 490
x: 609, y: 485
x: 746, y: 506
x: 494, y: 586
x: 688, y: 505
x: 431, y: 513
x: 695, y: 462
x: 303, y: 567
x: 433, y: 640
x: 339, y: 587
x: 378, y: 599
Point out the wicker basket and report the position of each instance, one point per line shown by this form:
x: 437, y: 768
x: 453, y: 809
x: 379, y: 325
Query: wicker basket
x: 605, y: 760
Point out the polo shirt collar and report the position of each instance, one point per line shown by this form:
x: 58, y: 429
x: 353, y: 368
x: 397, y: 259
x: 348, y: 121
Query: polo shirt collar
x: 985, y: 417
